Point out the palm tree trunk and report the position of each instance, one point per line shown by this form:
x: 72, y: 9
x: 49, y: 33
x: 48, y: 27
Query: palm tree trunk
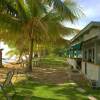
x: 30, y: 56
x: 1, y: 66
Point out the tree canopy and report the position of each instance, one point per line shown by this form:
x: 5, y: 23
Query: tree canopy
x: 24, y: 23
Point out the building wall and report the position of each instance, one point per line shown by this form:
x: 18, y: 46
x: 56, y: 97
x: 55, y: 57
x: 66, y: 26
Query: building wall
x: 90, y: 38
x: 90, y: 41
x: 98, y: 57
x: 91, y: 34
x: 92, y: 71
x: 83, y: 68
x: 98, y: 52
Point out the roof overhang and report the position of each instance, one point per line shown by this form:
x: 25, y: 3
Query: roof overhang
x: 87, y: 28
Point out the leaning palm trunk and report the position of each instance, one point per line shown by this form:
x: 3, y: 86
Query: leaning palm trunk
x: 30, y: 56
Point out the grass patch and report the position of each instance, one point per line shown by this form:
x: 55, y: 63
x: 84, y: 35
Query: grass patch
x: 29, y: 90
x: 50, y: 62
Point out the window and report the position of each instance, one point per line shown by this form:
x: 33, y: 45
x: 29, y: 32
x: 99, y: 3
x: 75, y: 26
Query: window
x: 85, y: 55
x: 93, y: 55
x: 85, y: 68
x: 90, y: 55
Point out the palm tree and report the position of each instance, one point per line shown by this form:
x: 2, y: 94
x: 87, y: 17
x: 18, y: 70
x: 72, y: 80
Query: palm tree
x: 36, y: 20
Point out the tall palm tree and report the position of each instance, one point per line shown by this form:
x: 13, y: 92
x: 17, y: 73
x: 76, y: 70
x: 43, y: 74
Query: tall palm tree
x: 36, y: 20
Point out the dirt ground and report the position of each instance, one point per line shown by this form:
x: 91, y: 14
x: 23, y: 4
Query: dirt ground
x: 46, y: 75
x: 57, y: 75
x: 50, y: 75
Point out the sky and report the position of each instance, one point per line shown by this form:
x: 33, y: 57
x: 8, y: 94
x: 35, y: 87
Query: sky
x: 91, y: 9
x: 5, y: 49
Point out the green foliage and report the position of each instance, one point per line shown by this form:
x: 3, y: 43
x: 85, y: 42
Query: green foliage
x: 34, y: 19
x: 60, y: 52
x: 24, y: 23
x: 39, y: 91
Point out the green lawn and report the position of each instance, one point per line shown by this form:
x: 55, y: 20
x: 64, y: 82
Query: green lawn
x: 29, y: 90
x: 51, y: 62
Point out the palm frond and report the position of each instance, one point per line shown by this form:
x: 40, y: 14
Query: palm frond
x: 23, y: 11
x: 67, y: 9
x: 9, y: 24
x: 36, y: 8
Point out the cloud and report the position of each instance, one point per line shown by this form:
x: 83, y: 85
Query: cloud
x: 91, y: 9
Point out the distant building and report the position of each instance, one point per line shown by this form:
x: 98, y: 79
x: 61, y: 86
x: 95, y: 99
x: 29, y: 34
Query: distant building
x: 84, y: 52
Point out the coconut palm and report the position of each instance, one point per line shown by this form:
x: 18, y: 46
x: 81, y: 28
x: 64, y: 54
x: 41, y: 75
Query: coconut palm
x: 36, y: 20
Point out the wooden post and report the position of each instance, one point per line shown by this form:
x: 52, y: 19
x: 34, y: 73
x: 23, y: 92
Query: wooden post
x: 1, y: 58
